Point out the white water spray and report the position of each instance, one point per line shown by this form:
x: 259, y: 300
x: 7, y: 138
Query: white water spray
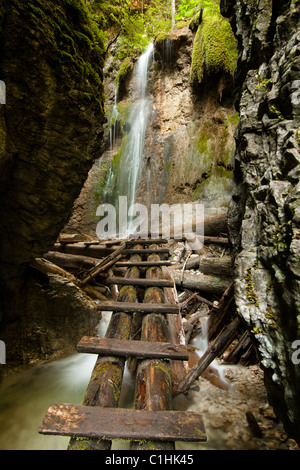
x: 125, y: 182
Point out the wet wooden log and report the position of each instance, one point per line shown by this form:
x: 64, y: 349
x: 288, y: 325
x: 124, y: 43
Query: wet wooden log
x: 175, y: 331
x: 212, y: 226
x: 47, y: 267
x: 107, y: 306
x: 92, y: 251
x: 218, y: 315
x: 71, y: 238
x: 153, y: 379
x: 102, y: 265
x: 66, y: 260
x: 219, y: 266
x: 216, y: 348
x: 201, y: 282
x: 136, y: 282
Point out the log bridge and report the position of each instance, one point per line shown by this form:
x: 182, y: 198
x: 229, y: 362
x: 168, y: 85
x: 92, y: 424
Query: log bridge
x: 146, y: 329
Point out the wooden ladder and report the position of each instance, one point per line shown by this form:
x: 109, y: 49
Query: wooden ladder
x: 147, y: 335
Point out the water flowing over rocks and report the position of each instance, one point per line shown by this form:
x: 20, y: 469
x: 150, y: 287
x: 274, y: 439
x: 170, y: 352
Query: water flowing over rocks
x: 264, y: 213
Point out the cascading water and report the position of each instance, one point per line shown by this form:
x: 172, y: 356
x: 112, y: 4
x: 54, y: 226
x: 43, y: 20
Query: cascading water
x: 114, y: 121
x: 125, y: 182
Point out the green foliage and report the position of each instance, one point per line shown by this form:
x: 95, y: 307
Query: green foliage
x: 215, y: 48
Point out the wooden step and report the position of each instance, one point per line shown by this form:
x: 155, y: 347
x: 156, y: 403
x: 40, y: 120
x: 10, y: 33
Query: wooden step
x: 145, y: 251
x: 153, y: 241
x: 117, y: 423
x: 129, y: 348
x: 108, y: 306
x: 142, y: 264
x: 124, y: 281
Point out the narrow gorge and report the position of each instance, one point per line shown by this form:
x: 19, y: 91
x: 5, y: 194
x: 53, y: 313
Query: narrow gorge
x: 162, y: 102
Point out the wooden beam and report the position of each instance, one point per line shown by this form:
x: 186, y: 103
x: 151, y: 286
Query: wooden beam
x: 136, y: 307
x: 136, y: 282
x: 142, y: 264
x: 128, y: 348
x: 148, y: 241
x: 201, y: 282
x: 146, y: 251
x: 216, y: 348
x: 102, y: 265
x: 118, y: 423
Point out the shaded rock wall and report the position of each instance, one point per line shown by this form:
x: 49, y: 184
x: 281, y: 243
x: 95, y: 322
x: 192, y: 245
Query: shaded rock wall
x: 264, y: 213
x: 51, y: 130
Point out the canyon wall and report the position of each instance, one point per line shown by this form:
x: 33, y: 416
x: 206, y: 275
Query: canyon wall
x: 264, y: 213
x: 51, y: 128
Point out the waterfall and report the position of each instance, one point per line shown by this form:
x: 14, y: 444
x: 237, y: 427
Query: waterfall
x: 126, y: 181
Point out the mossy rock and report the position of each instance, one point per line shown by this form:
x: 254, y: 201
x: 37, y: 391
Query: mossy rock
x: 215, y: 47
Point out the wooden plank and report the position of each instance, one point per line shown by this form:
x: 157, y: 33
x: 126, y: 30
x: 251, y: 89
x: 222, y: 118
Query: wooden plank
x: 124, y: 281
x: 117, y: 423
x: 146, y: 251
x: 104, y: 264
x: 128, y: 348
x: 142, y: 264
x: 137, y: 307
x: 148, y: 241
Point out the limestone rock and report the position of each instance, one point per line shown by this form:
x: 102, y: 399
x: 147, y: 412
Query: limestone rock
x: 264, y: 212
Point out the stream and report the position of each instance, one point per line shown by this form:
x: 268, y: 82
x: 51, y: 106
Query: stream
x: 26, y: 396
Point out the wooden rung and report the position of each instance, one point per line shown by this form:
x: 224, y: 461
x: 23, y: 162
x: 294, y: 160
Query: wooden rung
x: 149, y: 241
x: 117, y: 423
x: 141, y: 264
x: 145, y: 251
x: 108, y: 306
x: 125, y: 281
x: 129, y: 348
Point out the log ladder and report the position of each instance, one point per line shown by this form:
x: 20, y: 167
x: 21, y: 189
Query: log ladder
x: 145, y: 330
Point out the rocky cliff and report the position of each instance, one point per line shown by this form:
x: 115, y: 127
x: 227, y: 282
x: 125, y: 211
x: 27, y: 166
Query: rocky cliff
x: 51, y: 58
x: 264, y: 213
x: 189, y: 144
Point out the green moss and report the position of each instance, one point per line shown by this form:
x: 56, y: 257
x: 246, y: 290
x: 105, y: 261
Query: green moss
x: 125, y: 69
x: 215, y: 47
x: 252, y: 297
x: 74, y: 42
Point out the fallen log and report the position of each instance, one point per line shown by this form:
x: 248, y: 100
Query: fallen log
x: 66, y: 260
x: 201, y: 282
x: 218, y: 315
x: 92, y: 251
x: 175, y: 330
x: 210, y: 226
x: 219, y: 345
x: 47, y: 267
x: 102, y: 265
x: 219, y: 266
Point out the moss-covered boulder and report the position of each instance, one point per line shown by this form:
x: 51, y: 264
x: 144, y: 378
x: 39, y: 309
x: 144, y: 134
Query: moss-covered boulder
x: 215, y: 47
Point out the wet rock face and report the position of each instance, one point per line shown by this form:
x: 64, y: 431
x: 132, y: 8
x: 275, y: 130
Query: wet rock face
x: 51, y: 60
x: 51, y: 126
x: 264, y: 213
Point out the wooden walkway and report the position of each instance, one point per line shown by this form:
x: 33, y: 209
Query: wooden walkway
x: 150, y: 316
x: 146, y: 332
